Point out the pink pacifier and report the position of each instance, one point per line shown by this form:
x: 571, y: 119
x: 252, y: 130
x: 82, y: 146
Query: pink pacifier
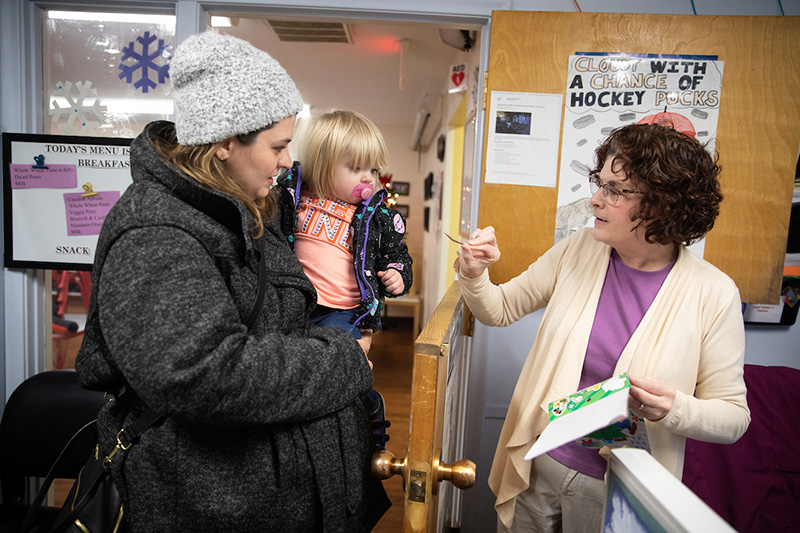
x: 362, y: 190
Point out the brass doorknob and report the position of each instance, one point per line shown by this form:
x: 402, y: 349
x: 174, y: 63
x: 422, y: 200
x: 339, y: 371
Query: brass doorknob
x: 385, y: 465
x: 461, y: 473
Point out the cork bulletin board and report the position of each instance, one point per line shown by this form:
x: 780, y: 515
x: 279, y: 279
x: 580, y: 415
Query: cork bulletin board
x: 758, y: 131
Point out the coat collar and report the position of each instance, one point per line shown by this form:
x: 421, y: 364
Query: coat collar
x: 147, y: 164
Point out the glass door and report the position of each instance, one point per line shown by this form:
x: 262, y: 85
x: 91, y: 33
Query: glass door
x: 104, y: 75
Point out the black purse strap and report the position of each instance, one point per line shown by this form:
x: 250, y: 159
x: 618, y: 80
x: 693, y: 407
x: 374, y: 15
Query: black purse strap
x: 128, y: 435
x: 125, y: 439
x: 45, y: 487
x: 262, y: 286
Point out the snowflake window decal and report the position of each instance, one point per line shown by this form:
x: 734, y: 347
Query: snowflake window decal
x: 144, y: 61
x: 78, y: 110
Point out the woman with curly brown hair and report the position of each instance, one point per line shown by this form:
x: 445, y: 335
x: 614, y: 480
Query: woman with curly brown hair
x: 624, y: 296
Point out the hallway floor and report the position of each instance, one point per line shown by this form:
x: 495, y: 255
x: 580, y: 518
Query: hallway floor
x: 392, y: 356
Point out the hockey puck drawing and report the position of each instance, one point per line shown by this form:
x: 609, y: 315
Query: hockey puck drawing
x: 699, y: 113
x: 584, y: 121
x: 579, y: 167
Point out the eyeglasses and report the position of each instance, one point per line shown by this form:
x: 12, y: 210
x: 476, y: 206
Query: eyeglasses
x: 611, y: 194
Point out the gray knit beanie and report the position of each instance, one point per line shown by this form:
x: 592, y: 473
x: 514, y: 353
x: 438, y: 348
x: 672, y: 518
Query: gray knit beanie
x: 223, y: 86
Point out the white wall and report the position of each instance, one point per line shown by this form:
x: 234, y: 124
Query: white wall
x: 772, y: 345
x: 403, y: 167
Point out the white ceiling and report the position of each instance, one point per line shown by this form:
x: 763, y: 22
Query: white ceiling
x: 363, y: 76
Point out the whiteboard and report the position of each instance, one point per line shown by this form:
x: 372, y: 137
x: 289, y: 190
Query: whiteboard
x: 57, y: 191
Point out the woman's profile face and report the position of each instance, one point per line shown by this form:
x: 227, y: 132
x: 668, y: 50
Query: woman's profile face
x: 254, y: 166
x: 613, y: 224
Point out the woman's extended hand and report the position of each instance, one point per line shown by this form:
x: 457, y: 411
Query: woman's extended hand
x: 650, y: 398
x: 478, y: 252
x: 366, y: 342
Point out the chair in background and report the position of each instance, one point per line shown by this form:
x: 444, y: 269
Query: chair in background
x: 413, y: 300
x: 41, y: 415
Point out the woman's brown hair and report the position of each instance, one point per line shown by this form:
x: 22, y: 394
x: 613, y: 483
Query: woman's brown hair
x: 678, y: 177
x: 201, y: 164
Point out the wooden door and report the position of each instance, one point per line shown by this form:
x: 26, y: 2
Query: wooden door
x: 436, y: 431
x: 758, y: 131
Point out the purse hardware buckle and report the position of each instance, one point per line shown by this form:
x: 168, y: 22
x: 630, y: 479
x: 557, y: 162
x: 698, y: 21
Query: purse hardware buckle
x: 120, y: 446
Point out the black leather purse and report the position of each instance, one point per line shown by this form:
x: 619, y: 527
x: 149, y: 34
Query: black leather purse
x: 93, y: 504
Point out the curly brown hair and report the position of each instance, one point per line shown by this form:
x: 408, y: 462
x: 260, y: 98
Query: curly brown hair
x: 679, y: 179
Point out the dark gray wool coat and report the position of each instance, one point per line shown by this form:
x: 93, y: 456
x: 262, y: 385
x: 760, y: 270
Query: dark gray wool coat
x: 264, y: 429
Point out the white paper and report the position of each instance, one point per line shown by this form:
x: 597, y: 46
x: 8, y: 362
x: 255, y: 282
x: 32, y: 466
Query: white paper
x: 567, y: 428
x: 523, y: 138
x: 763, y: 313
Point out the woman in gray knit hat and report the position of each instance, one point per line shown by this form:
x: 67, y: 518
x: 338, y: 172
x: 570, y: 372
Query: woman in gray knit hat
x: 264, y: 429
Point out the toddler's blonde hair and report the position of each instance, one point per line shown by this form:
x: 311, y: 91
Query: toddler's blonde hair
x: 326, y: 140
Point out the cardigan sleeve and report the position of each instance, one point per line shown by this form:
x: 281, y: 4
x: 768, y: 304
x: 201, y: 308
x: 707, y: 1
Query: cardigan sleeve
x: 717, y: 412
x: 504, y: 304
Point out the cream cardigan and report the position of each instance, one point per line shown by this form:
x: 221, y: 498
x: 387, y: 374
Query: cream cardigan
x: 692, y: 338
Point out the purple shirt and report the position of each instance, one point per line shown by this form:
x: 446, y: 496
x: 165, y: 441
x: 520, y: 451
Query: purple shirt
x: 626, y: 296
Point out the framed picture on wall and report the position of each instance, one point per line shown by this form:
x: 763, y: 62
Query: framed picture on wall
x: 429, y: 186
x: 403, y: 210
x: 440, y: 148
x: 400, y: 187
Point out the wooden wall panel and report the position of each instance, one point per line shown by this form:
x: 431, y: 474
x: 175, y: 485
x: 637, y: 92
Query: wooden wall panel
x: 758, y: 133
